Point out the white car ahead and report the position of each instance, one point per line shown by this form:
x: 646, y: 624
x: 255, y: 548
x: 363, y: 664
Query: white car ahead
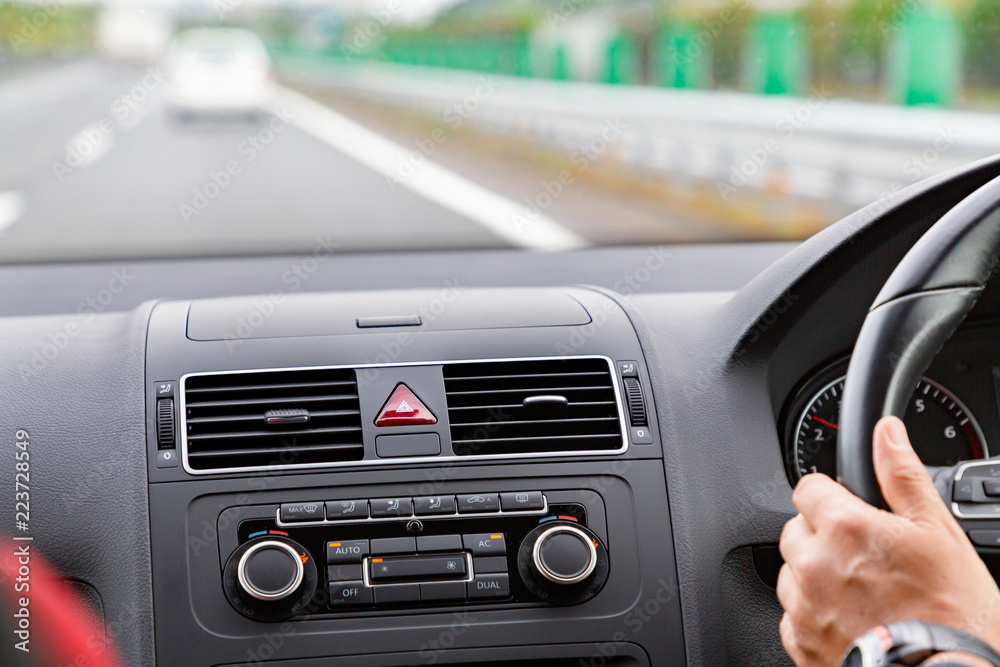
x: 218, y: 72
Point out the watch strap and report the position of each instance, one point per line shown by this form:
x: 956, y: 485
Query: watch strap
x: 913, y: 641
x: 939, y: 639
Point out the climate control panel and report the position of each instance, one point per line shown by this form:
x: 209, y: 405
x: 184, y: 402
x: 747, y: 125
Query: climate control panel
x: 322, y: 556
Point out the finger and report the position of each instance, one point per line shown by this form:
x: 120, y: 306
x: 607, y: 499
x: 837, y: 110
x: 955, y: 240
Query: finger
x: 793, y: 536
x: 787, y: 633
x: 819, y: 499
x: 787, y: 588
x: 906, y: 486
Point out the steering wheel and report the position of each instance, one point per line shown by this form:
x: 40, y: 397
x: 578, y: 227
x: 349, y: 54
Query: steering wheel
x: 921, y: 304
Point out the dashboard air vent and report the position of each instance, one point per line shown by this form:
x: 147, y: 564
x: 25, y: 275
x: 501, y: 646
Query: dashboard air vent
x: 532, y: 407
x: 268, y: 419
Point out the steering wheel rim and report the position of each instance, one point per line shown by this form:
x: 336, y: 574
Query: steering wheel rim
x: 921, y: 304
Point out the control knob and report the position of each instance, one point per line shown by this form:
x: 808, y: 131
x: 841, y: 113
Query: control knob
x: 562, y: 563
x: 270, y: 578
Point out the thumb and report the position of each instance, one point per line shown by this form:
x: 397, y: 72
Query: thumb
x: 905, y: 484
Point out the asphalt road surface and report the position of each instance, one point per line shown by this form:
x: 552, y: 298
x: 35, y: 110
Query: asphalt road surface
x: 93, y: 166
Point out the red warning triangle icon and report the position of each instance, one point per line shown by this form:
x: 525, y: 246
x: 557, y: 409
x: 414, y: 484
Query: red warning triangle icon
x: 404, y: 409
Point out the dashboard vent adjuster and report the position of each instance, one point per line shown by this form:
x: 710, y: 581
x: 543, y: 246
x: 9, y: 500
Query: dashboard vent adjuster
x: 272, y: 419
x: 532, y: 407
x: 636, y: 406
x: 165, y: 423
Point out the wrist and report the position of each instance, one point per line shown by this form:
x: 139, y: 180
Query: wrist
x: 913, y: 642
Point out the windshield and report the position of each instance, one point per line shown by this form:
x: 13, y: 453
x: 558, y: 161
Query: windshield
x: 239, y: 127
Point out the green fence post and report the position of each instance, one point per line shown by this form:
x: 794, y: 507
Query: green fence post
x: 925, y: 55
x: 776, y: 60
x: 620, y: 59
x: 523, y: 55
x: 679, y: 59
x: 561, y: 68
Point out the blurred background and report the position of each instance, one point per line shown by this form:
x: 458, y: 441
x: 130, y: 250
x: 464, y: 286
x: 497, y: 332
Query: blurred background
x: 592, y: 121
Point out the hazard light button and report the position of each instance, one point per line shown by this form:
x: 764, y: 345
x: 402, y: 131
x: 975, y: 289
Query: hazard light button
x: 404, y: 409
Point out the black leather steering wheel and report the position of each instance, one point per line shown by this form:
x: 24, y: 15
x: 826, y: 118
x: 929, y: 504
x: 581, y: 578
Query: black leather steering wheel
x: 922, y: 303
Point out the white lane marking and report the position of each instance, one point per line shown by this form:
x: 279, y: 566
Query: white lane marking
x: 11, y: 208
x: 501, y: 216
x: 89, y: 144
x: 95, y: 140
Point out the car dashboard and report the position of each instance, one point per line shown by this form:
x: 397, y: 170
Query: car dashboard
x: 459, y: 467
x: 411, y: 474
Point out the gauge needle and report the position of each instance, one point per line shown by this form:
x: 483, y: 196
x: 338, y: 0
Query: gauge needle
x: 824, y: 422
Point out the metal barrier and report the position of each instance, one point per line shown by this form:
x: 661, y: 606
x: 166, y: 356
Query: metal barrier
x: 813, y: 147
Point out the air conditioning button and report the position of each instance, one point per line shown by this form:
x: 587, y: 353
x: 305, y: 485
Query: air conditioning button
x: 394, y: 545
x: 445, y: 590
x: 485, y: 544
x: 431, y: 505
x: 383, y: 507
x: 418, y: 567
x: 439, y: 543
x: 338, y: 510
x: 476, y: 503
x: 296, y: 512
x: 348, y: 572
x: 489, y: 565
x: 346, y: 551
x: 489, y: 586
x: 350, y: 594
x: 521, y: 501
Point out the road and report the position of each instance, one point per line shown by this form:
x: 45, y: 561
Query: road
x: 86, y: 173
x: 93, y: 166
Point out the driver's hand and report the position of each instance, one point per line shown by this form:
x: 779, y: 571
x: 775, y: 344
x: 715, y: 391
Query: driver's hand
x: 849, y: 566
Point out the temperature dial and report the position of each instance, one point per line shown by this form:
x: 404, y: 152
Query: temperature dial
x: 270, y: 578
x: 562, y: 563
x: 564, y: 555
x: 270, y: 570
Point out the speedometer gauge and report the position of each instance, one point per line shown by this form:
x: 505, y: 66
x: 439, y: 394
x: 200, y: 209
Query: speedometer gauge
x: 941, y: 428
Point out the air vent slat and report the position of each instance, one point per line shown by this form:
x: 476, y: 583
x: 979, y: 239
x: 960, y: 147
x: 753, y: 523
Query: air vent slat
x: 276, y: 452
x: 490, y: 416
x: 271, y: 434
x: 533, y: 390
x: 576, y: 404
x: 259, y: 416
x: 575, y: 438
x: 269, y: 401
x: 226, y: 419
x: 268, y: 387
x: 550, y: 377
x: 533, y: 422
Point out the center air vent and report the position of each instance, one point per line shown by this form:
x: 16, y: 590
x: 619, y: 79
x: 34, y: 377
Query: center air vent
x: 281, y: 418
x: 532, y: 407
